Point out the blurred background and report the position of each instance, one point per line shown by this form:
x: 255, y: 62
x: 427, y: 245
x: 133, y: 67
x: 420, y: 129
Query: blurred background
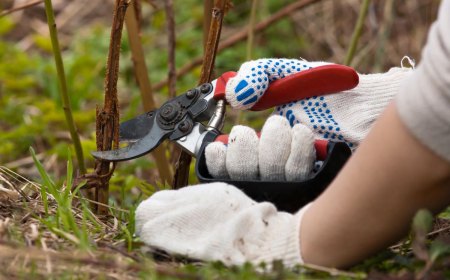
x: 30, y: 107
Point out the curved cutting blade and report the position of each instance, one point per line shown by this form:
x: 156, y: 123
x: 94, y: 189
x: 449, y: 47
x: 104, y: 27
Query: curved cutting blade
x: 138, y: 127
x: 139, y: 148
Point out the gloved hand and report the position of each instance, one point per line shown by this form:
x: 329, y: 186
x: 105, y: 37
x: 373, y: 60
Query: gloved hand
x: 281, y: 153
x: 219, y: 222
x: 345, y: 116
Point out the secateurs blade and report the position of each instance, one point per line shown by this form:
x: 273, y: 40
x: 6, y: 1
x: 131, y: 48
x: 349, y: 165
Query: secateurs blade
x: 182, y: 120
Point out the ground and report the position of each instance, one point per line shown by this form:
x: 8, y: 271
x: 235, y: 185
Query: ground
x: 48, y: 230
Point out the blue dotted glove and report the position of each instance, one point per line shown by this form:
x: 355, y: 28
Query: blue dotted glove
x: 253, y: 79
x: 345, y: 116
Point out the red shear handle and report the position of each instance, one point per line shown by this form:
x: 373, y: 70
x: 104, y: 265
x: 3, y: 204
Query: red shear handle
x: 321, y: 146
x: 221, y: 83
x: 317, y: 81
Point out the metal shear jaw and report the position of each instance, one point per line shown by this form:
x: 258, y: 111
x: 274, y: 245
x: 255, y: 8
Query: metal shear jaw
x: 139, y: 148
x: 194, y: 141
x: 177, y: 120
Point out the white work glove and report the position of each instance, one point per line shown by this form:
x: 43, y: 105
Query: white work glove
x: 281, y: 154
x: 346, y: 116
x: 219, y: 222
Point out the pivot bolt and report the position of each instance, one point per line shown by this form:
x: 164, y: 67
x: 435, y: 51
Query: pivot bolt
x: 191, y: 93
x: 205, y: 88
x: 168, y: 112
x: 184, y: 126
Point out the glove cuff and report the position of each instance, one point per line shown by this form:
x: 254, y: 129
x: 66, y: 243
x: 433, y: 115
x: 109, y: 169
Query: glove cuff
x: 348, y: 116
x: 379, y: 89
x: 369, y: 98
x: 285, y: 244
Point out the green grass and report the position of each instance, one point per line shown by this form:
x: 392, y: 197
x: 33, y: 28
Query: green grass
x: 99, y: 247
x: 85, y: 246
x: 63, y: 222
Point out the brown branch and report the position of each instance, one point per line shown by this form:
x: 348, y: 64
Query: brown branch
x: 137, y: 56
x: 143, y: 81
x: 21, y: 7
x: 107, y: 121
x: 251, y: 30
x: 213, y: 41
x: 207, y: 10
x: 240, y: 36
x: 383, y: 35
x: 137, y: 8
x: 171, y: 75
x: 168, y: 4
x: 184, y: 161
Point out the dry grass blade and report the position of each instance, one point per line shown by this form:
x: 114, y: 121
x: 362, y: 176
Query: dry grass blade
x: 335, y: 272
x: 27, y: 217
x: 27, y: 186
x: 6, y: 194
x: 103, y: 263
x: 13, y: 194
x: 16, y: 260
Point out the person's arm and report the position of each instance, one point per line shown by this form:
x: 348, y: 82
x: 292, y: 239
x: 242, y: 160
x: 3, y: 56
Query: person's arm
x: 401, y: 166
x: 371, y: 203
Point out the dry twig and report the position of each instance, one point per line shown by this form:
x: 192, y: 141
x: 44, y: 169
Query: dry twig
x: 170, y: 19
x: 143, y: 81
x: 383, y: 35
x: 240, y: 36
x: 107, y: 125
x: 21, y: 7
x: 182, y: 168
x: 207, y: 9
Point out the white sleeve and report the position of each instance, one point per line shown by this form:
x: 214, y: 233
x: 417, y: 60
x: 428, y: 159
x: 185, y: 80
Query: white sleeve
x: 424, y: 99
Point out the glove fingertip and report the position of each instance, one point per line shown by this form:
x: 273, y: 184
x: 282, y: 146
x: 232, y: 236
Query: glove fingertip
x: 215, y: 154
x: 244, y: 90
x: 274, y: 148
x: 303, y: 155
x: 275, y: 121
x: 242, y: 153
x: 303, y: 133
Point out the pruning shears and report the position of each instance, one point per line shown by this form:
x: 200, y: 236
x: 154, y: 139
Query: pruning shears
x: 183, y: 121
